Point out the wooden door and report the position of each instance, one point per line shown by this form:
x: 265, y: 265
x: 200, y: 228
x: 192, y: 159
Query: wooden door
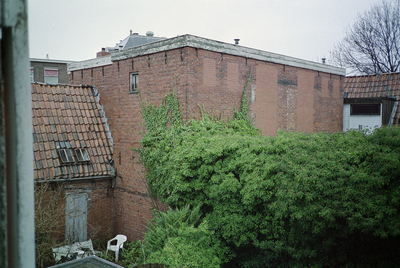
x: 76, y: 218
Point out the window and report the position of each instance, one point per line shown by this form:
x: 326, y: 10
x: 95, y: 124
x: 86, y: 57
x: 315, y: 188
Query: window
x: 66, y: 156
x: 365, y: 109
x: 82, y: 155
x: 134, y: 82
x: 32, y: 76
x: 51, y: 76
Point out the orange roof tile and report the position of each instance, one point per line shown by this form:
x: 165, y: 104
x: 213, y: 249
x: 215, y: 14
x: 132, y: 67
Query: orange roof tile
x: 62, y: 119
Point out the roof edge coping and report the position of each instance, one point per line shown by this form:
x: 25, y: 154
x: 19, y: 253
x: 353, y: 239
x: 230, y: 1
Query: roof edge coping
x: 221, y: 47
x: 96, y: 62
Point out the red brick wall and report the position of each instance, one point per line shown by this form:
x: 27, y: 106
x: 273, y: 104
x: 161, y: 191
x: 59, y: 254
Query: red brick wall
x: 283, y: 97
x: 99, y: 206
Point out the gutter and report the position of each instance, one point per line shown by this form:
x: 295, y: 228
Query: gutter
x: 92, y: 178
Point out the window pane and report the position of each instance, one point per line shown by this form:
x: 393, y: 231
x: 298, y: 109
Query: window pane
x: 51, y: 80
x: 365, y: 109
x: 82, y: 155
x: 79, y: 155
x: 134, y: 82
x: 63, y: 156
x: 69, y: 155
x: 85, y: 155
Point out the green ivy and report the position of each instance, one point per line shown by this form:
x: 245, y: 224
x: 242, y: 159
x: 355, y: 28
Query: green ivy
x: 294, y: 200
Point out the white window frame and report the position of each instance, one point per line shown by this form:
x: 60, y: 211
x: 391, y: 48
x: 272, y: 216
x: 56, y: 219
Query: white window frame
x: 48, y: 78
x: 134, y: 82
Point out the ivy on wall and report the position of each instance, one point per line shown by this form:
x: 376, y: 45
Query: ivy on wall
x: 305, y: 200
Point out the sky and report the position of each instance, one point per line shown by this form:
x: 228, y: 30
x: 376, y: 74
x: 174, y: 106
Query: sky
x: 77, y: 29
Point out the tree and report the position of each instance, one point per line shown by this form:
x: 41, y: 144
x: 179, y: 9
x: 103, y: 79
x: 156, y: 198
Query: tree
x: 372, y: 44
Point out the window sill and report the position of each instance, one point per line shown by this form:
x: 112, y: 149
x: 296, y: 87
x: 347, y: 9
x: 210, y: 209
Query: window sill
x: 133, y: 92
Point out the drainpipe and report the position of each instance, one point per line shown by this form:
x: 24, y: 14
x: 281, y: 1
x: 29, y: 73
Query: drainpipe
x: 394, y: 109
x: 18, y: 135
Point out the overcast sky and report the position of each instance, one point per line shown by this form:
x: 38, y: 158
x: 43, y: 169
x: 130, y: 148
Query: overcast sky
x: 77, y: 29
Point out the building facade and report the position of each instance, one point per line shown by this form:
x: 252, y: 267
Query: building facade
x: 285, y: 93
x: 371, y: 101
x: 49, y: 71
x: 73, y: 161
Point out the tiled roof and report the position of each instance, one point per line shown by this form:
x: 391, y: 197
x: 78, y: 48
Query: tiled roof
x: 375, y: 86
x: 70, y: 118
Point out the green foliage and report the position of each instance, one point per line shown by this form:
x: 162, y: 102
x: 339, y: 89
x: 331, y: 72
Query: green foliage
x: 295, y: 200
x: 131, y: 253
x: 109, y: 257
x: 179, y: 239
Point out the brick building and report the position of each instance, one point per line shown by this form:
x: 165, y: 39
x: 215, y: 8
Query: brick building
x: 286, y: 93
x: 49, y: 71
x: 73, y: 159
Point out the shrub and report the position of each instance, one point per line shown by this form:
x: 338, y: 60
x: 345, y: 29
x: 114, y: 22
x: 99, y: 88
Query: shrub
x: 179, y: 239
x: 295, y: 200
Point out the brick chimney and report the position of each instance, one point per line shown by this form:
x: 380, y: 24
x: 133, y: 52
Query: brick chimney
x: 102, y: 53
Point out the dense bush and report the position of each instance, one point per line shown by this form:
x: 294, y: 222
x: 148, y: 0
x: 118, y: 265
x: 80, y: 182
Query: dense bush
x: 180, y: 239
x: 295, y: 200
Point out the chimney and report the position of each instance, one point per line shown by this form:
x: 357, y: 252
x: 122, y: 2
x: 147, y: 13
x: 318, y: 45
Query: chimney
x: 323, y: 60
x: 130, y: 32
x: 102, y: 53
x: 236, y: 41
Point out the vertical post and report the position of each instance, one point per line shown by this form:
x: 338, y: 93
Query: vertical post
x: 3, y: 192
x: 18, y: 134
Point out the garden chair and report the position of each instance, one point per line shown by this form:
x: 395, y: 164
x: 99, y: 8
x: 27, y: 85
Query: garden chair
x: 120, y: 245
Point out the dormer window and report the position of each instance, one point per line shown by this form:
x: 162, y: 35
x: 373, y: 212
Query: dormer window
x: 66, y: 156
x: 82, y: 155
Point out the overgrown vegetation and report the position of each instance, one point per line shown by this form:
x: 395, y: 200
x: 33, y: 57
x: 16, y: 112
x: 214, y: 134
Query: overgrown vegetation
x: 49, y: 214
x: 180, y: 239
x: 295, y: 200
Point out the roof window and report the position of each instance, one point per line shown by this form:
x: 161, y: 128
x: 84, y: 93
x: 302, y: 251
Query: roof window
x: 82, y: 155
x: 66, y: 156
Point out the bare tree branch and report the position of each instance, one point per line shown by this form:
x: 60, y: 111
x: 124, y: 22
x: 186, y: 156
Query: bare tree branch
x: 372, y: 44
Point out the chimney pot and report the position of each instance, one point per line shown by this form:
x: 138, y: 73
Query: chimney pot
x: 323, y: 60
x: 236, y: 41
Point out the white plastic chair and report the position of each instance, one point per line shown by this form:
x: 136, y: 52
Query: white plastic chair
x: 120, y: 245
